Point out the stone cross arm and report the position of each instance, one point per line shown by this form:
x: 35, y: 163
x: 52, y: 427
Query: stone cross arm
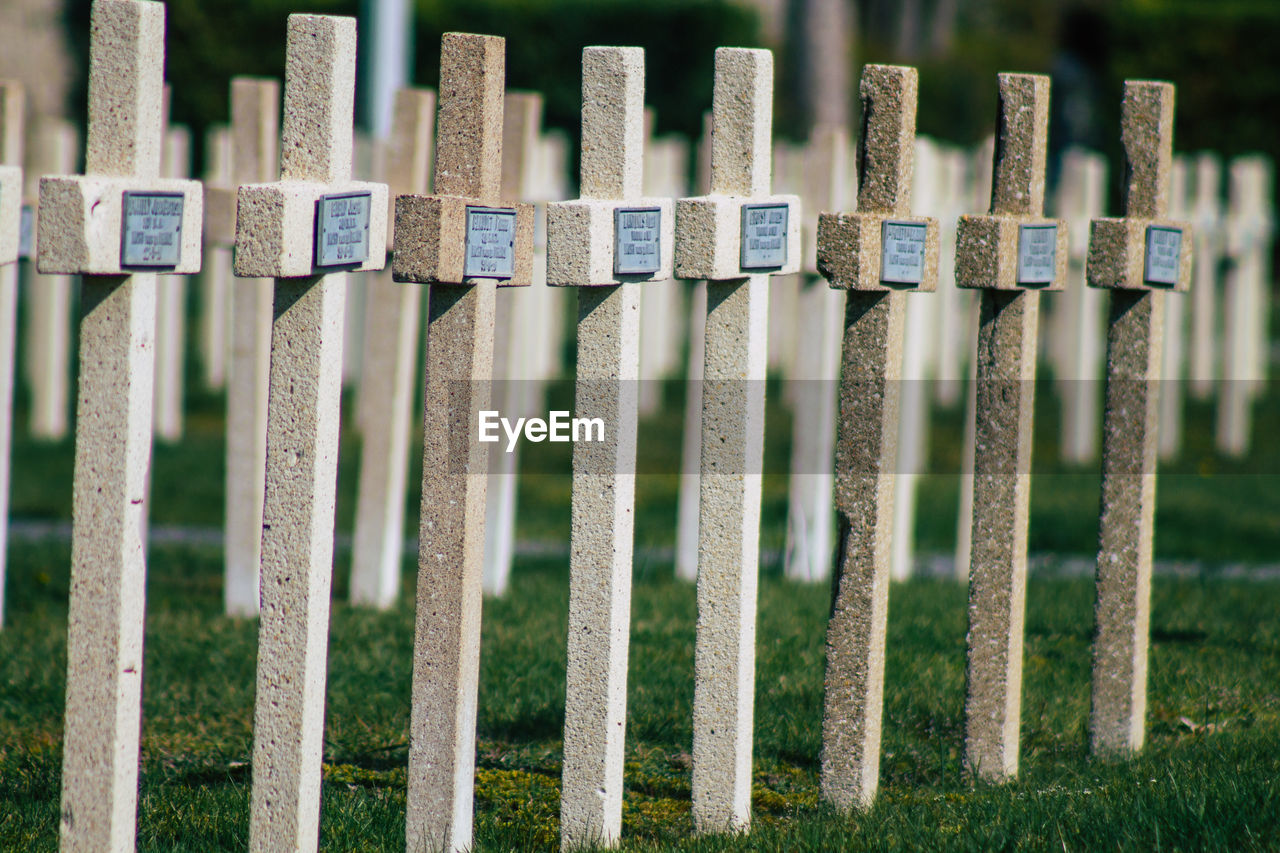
x: 1014, y: 247
x: 1143, y: 250
x: 315, y: 219
x: 882, y: 247
x: 739, y: 229
x: 465, y: 231
x: 612, y: 235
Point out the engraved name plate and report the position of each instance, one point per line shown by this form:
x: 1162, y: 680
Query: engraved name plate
x: 902, y: 252
x: 152, y: 232
x: 27, y: 232
x: 1037, y: 253
x: 1164, y: 246
x: 764, y: 236
x: 342, y: 229
x: 636, y: 235
x: 491, y: 243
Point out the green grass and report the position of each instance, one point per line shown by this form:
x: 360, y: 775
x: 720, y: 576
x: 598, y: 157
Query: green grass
x: 1206, y: 781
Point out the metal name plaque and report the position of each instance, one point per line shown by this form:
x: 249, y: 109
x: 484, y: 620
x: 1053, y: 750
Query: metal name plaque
x: 27, y: 232
x: 1037, y: 253
x: 636, y: 235
x: 152, y: 232
x: 902, y: 247
x: 764, y: 236
x: 342, y: 229
x: 1164, y: 249
x: 491, y: 243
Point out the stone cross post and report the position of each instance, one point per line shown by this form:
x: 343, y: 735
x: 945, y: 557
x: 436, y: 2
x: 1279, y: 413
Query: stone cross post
x: 1139, y: 257
x: 604, y: 244
x: 462, y: 241
x: 255, y: 133
x: 314, y: 221
x: 1012, y: 255
x: 12, y: 107
x: 54, y: 149
x: 876, y: 255
x: 736, y: 238
x: 392, y: 315
x: 117, y: 225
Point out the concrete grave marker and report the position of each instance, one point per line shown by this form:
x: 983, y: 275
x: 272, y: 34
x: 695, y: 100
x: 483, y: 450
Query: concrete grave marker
x: 1206, y: 213
x: 1119, y: 250
x: 392, y: 315
x: 216, y: 278
x: 988, y: 249
x: 79, y: 232
x: 275, y: 238
x: 12, y: 108
x: 152, y: 236
x: 255, y: 132
x: 1163, y: 246
x: 852, y: 256
x: 432, y: 246
x: 587, y: 243
x: 709, y: 245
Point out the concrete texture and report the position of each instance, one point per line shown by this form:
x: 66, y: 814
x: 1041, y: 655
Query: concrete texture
x: 113, y: 449
x: 255, y: 129
x: 431, y: 229
x: 1122, y: 608
x: 867, y: 433
x: 459, y: 368
x: 302, y: 437
x: 393, y: 315
x: 603, y: 472
x: 732, y: 440
x: 1005, y: 397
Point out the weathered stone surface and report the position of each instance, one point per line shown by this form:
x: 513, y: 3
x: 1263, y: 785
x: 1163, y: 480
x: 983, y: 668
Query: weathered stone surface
x: 1004, y: 401
x: 1122, y: 608
x: 302, y: 429
x: 460, y: 328
x: 849, y: 249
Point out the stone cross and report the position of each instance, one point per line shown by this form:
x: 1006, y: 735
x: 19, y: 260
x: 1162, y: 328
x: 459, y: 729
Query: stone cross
x: 54, y: 149
x: 463, y: 240
x: 876, y: 255
x: 313, y: 221
x: 393, y: 315
x: 1011, y: 255
x: 118, y: 225
x: 1173, y: 356
x: 12, y: 106
x: 604, y: 244
x: 255, y: 134
x: 1139, y: 257
x: 735, y: 237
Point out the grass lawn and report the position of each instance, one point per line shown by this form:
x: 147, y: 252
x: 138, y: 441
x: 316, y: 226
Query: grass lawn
x: 1207, y: 779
